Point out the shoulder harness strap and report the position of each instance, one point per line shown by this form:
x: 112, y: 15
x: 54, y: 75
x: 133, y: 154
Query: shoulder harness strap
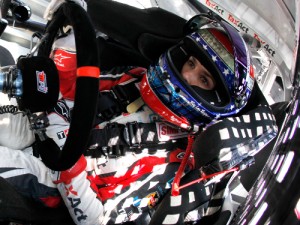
x: 116, y: 139
x: 115, y: 101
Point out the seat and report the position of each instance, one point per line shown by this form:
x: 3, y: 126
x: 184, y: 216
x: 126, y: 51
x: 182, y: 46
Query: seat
x: 249, y: 176
x: 229, y: 143
x: 133, y: 36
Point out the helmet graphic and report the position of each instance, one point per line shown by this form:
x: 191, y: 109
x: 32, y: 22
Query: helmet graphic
x: 223, y: 52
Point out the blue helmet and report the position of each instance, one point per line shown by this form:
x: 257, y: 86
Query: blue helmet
x: 223, y: 52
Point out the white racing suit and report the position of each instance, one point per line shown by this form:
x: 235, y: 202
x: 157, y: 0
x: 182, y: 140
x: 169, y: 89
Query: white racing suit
x: 120, y: 189
x: 15, y: 130
x: 98, y: 190
x: 20, y: 168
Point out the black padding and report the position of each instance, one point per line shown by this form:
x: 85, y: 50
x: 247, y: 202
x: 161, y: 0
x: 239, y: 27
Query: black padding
x: 127, y: 25
x: 223, y: 218
x: 86, y: 87
x: 220, y: 219
x: 40, y: 83
x: 152, y: 46
x: 240, y: 131
x: 113, y: 54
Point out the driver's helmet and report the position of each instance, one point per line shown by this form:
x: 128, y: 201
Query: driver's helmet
x: 223, y: 52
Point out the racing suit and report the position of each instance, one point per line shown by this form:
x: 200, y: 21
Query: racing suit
x: 117, y: 188
x: 101, y: 188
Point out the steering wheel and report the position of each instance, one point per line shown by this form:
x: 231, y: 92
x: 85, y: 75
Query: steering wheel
x: 87, y: 86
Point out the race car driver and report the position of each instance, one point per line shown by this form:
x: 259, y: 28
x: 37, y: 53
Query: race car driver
x: 143, y: 120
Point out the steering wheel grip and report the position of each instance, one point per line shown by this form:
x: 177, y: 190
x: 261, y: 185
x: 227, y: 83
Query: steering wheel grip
x: 87, y: 87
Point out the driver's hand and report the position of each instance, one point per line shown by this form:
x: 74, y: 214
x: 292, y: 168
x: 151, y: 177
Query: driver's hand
x: 55, y: 4
x: 15, y: 131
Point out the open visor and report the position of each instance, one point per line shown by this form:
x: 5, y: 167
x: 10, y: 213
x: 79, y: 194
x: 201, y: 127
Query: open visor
x: 223, y: 53
x: 212, y: 99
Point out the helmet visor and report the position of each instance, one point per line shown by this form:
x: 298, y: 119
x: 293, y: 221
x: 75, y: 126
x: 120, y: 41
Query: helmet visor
x: 222, y: 52
x: 203, y: 79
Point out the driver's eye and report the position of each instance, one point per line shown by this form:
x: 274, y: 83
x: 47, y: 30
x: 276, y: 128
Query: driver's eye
x: 204, y: 80
x: 191, y: 62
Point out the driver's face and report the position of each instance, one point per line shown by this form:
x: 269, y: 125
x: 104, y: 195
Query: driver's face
x: 194, y: 73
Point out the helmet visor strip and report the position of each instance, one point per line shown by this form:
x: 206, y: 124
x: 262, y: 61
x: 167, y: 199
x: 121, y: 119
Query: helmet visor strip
x: 243, y: 74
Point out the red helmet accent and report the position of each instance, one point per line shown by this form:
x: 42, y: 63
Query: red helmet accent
x: 161, y: 109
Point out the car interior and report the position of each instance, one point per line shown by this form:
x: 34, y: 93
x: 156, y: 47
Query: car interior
x: 244, y: 141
